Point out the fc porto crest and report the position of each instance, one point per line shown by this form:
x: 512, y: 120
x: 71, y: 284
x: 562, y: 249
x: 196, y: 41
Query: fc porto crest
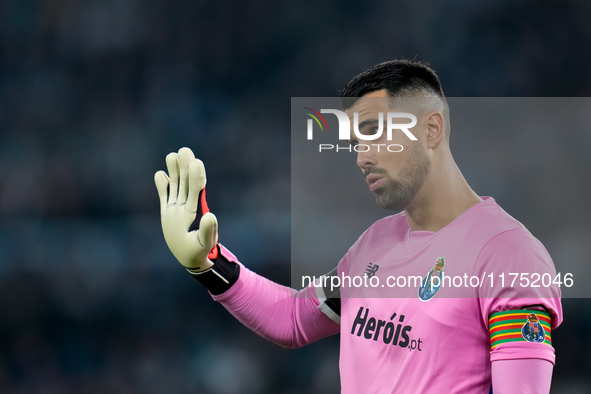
x: 532, y: 330
x: 432, y: 281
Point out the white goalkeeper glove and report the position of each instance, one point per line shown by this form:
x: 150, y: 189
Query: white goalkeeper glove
x: 182, y: 203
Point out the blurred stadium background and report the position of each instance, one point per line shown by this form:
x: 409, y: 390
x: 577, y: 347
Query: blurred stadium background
x: 95, y: 93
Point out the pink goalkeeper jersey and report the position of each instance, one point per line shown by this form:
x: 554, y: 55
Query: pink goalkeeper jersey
x: 434, y: 339
x: 440, y: 344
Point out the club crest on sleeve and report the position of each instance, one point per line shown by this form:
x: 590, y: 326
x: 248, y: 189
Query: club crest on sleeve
x: 431, y: 283
x: 532, y: 330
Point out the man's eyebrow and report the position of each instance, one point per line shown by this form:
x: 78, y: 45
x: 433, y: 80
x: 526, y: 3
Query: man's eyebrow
x: 368, y: 122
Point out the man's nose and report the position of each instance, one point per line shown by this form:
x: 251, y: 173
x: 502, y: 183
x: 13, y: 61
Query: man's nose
x: 365, y: 159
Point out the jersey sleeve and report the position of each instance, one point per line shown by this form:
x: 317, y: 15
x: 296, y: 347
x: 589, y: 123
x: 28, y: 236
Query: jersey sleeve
x: 521, y: 305
x: 278, y: 313
x: 521, y: 376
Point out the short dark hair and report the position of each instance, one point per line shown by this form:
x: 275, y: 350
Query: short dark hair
x: 398, y: 77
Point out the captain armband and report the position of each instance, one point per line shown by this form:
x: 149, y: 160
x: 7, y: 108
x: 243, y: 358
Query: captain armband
x: 222, y: 275
x: 522, y: 325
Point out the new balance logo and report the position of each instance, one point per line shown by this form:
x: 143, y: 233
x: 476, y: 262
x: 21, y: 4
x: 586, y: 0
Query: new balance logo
x: 371, y: 269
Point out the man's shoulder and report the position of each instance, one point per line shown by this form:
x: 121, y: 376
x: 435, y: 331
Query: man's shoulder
x: 498, y: 229
x: 489, y: 217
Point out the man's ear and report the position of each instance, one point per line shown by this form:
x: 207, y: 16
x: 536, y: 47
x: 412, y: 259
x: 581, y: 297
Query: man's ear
x: 435, y: 129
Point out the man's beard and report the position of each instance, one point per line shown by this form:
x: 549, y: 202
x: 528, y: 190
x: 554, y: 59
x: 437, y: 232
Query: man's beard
x: 397, y: 195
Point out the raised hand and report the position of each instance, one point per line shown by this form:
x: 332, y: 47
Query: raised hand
x: 182, y: 202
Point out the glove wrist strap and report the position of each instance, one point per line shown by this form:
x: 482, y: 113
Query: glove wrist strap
x: 221, y: 276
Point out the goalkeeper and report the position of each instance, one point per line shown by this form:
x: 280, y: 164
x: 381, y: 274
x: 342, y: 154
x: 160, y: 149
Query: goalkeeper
x: 499, y: 339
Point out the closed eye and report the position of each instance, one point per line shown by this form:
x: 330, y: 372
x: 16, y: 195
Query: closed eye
x: 369, y: 127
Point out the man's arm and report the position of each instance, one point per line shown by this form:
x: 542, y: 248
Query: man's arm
x: 522, y: 357
x: 280, y: 314
x: 276, y: 312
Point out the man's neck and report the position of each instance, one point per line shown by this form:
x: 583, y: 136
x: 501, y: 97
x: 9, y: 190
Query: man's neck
x: 443, y: 197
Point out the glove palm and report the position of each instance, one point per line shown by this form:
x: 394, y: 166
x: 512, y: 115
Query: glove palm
x: 182, y: 202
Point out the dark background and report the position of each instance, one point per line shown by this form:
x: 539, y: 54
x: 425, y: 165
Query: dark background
x: 95, y: 93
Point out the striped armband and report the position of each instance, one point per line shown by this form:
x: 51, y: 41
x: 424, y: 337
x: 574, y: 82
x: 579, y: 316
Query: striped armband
x: 522, y: 325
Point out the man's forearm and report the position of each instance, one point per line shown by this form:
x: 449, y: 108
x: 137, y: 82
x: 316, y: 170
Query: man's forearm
x: 280, y: 314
